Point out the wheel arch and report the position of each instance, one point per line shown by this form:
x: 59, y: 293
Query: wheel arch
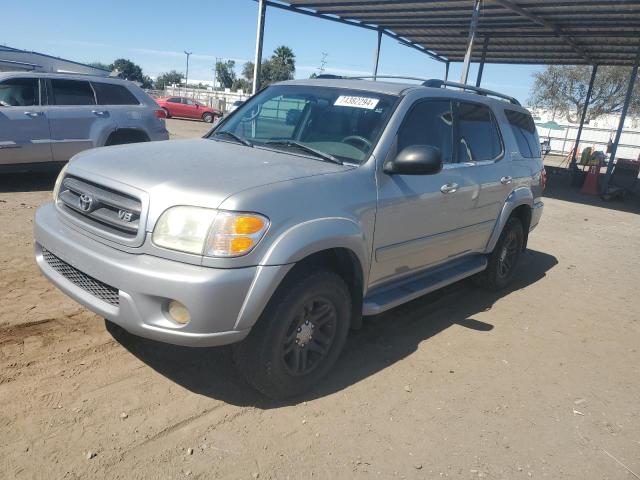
x: 334, y: 244
x: 519, y: 203
x: 121, y: 136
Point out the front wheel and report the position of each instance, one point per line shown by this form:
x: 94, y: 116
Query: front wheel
x: 504, y: 258
x: 208, y: 117
x: 299, y: 336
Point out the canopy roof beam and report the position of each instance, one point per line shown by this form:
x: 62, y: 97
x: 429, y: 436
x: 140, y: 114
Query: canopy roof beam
x: 508, y: 4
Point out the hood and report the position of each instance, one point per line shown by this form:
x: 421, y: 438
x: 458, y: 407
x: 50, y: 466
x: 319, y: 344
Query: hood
x: 196, y: 172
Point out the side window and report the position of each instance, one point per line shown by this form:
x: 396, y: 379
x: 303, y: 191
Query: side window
x: 19, y: 92
x: 187, y: 101
x: 429, y: 123
x: 174, y: 100
x: 110, y: 94
x: 524, y: 129
x: 478, y: 135
x: 72, y: 92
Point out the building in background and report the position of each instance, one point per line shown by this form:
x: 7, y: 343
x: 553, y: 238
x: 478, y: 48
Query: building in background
x: 595, y: 134
x: 13, y: 59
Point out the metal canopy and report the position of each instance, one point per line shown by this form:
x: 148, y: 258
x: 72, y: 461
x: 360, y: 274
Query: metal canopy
x: 567, y: 32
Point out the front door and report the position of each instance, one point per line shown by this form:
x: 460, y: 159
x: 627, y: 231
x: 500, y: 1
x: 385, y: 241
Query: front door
x: 24, y: 130
x: 420, y: 217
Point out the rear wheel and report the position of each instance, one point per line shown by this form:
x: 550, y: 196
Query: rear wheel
x: 298, y: 337
x: 208, y: 117
x: 504, y: 258
x: 166, y: 113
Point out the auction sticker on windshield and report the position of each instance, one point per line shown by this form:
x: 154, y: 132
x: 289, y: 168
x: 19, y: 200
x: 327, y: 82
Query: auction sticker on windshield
x: 356, y: 102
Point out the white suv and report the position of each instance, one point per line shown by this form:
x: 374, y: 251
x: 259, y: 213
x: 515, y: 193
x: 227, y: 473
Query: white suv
x: 48, y: 118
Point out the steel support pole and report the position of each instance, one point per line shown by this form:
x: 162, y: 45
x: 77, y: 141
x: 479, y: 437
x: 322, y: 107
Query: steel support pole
x: 623, y: 116
x: 585, y: 108
x: 472, y: 36
x: 446, y: 71
x: 257, y: 66
x: 485, y: 46
x: 377, y: 57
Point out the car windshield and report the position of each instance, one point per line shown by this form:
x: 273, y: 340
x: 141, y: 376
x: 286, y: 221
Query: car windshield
x: 341, y: 123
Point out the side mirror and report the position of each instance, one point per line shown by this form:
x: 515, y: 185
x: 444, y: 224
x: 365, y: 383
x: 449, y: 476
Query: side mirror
x: 415, y: 160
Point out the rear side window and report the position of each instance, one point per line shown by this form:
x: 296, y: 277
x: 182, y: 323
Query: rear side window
x: 478, y: 134
x: 72, y: 92
x: 109, y: 94
x: 174, y: 100
x: 524, y: 129
x: 19, y: 92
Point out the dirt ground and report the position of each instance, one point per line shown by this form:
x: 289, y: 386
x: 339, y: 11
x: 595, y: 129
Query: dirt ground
x: 540, y: 381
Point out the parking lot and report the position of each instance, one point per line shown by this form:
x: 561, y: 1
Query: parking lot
x: 539, y: 381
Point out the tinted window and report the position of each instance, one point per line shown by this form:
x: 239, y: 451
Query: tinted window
x: 429, y: 123
x: 187, y: 101
x: 478, y: 134
x: 19, y: 92
x: 524, y: 129
x: 72, y: 92
x: 174, y: 100
x: 109, y: 94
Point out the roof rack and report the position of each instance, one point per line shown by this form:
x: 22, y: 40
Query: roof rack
x: 432, y: 82
x: 435, y: 83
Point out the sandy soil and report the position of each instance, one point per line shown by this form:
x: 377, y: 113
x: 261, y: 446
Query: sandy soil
x: 540, y: 381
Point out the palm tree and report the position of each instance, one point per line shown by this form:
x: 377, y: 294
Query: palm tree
x: 285, y: 56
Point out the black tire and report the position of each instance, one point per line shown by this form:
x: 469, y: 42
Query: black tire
x: 503, y: 261
x: 208, y: 117
x: 166, y: 113
x: 286, y: 332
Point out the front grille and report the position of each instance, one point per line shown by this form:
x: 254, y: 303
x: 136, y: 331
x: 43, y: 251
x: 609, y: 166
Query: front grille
x: 103, y: 208
x: 104, y: 292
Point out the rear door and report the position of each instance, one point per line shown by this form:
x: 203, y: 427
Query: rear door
x: 74, y: 118
x: 24, y: 130
x: 484, y: 166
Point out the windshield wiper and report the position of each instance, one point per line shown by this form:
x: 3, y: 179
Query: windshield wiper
x: 292, y: 143
x: 243, y: 141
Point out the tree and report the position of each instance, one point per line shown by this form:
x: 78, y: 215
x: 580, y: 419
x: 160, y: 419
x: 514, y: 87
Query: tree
x: 225, y: 73
x: 127, y: 70
x: 101, y: 65
x: 169, y: 78
x: 563, y: 89
x: 281, y: 66
x: 241, y: 84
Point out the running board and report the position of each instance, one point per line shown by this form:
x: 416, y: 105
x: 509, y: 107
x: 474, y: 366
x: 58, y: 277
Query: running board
x: 385, y: 298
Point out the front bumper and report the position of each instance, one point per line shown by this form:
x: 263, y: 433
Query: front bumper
x: 144, y: 284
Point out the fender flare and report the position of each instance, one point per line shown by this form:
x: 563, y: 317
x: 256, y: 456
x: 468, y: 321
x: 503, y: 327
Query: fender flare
x: 292, y: 246
x: 519, y: 196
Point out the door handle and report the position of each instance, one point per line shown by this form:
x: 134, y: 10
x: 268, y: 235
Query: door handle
x: 33, y: 114
x: 449, y: 188
x: 506, y: 180
x: 99, y: 113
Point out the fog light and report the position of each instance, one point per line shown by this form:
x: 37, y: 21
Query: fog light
x: 179, y: 312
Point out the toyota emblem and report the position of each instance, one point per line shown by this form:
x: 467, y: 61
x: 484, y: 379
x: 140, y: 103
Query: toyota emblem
x: 86, y: 202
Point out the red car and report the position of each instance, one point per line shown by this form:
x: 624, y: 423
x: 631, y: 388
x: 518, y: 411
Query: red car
x: 187, y: 108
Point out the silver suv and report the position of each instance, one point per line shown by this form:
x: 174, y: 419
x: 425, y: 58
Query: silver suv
x: 46, y: 118
x: 313, y: 204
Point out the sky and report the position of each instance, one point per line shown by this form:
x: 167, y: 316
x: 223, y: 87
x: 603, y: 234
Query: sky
x: 154, y: 34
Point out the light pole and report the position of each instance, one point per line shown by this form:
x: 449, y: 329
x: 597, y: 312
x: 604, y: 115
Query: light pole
x: 186, y: 78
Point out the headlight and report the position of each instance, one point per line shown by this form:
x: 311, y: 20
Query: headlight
x: 58, y: 184
x: 203, y: 231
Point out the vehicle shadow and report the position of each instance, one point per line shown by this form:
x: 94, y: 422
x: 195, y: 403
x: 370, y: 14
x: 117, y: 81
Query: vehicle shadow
x: 382, y: 341
x: 39, y: 181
